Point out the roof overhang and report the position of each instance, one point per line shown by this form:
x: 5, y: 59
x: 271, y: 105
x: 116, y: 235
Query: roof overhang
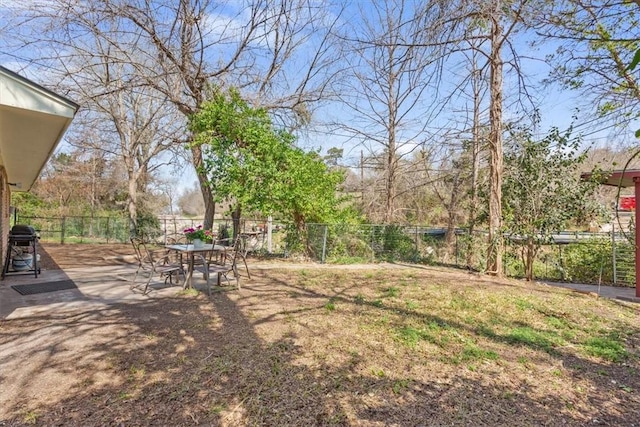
x: 616, y: 178
x: 33, y: 120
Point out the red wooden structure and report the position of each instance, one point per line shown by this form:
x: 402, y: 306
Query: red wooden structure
x: 627, y: 203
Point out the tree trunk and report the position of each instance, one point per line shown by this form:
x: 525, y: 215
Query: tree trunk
x: 132, y: 205
x: 531, y: 254
x: 475, y: 164
x: 496, y: 243
x: 391, y: 160
x: 207, y: 194
x: 450, y: 236
x: 235, y: 218
x: 390, y: 188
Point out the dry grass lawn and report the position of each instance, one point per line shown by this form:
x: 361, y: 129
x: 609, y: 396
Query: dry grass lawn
x: 316, y: 346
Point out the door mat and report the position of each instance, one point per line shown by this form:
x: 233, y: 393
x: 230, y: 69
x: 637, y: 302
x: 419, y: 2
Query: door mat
x: 41, y: 288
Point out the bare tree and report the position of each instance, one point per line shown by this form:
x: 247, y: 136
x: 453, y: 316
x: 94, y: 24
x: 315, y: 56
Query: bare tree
x: 502, y: 19
x: 476, y: 146
x: 496, y: 242
x: 392, y: 94
x: 80, y: 183
x: 121, y: 118
x: 128, y: 123
x: 397, y: 60
x: 471, y: 160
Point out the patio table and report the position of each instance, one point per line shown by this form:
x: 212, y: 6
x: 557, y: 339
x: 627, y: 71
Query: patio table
x: 191, y: 251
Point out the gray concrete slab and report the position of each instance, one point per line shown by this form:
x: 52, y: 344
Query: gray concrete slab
x: 96, y: 286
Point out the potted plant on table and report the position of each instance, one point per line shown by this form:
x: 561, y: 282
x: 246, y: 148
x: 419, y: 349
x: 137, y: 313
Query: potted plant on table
x: 198, y: 235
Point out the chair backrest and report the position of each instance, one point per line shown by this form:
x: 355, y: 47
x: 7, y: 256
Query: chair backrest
x: 144, y: 255
x: 225, y: 241
x: 137, y: 243
x: 243, y: 245
x: 234, y: 252
x: 176, y: 239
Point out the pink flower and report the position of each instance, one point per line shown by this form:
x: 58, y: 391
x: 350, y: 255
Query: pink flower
x: 198, y: 233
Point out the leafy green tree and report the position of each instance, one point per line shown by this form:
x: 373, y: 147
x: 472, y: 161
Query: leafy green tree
x: 257, y: 167
x: 28, y: 204
x: 596, y: 41
x: 542, y: 189
x: 334, y: 156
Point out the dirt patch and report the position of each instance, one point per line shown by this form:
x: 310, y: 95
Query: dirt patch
x: 321, y: 346
x: 55, y: 256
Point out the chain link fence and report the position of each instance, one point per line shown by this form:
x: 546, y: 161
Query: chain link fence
x: 79, y: 229
x: 596, y: 259
x: 605, y: 258
x: 85, y: 229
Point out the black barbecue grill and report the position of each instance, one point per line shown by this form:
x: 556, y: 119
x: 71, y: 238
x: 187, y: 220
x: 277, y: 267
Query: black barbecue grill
x: 23, y: 239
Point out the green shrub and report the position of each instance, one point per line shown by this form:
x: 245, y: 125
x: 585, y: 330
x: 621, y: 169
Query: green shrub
x: 148, y: 225
x: 391, y: 243
x: 585, y: 262
x: 345, y: 241
x: 513, y: 265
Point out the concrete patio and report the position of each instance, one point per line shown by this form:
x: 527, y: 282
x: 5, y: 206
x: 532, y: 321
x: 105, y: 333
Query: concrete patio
x: 96, y: 286
x: 612, y: 292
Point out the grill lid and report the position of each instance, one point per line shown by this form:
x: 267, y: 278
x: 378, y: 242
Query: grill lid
x: 23, y: 230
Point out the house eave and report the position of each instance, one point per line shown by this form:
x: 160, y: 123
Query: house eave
x: 33, y: 121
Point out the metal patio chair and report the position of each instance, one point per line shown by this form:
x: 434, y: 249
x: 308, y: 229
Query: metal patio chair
x: 224, y: 267
x: 155, y: 264
x: 240, y: 246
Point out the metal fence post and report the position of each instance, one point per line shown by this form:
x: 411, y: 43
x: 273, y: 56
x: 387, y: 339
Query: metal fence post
x: 457, y: 257
x: 62, y: 229
x: 270, y: 234
x: 164, y: 229
x: 562, y: 271
x: 373, y: 251
x: 324, y: 243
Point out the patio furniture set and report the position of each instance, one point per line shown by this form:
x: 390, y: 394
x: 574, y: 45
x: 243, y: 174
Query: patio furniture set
x: 219, y: 259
